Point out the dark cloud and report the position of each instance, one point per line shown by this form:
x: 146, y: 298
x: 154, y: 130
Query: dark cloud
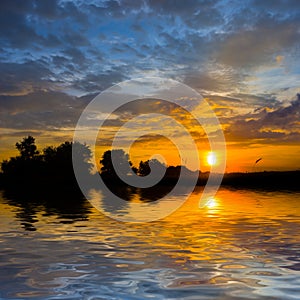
x: 43, y: 110
x: 205, y: 17
x: 30, y: 24
x: 14, y: 29
x: 257, y: 101
x: 72, y: 38
x: 287, y: 118
x: 21, y: 77
x: 96, y: 82
x: 76, y: 56
x: 217, y: 81
x: 46, y: 9
x: 177, y: 8
x: 258, y: 46
x: 278, y: 126
x: 278, y: 7
x: 90, y: 45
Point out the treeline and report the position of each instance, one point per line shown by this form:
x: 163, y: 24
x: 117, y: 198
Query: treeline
x: 121, y: 163
x: 52, y: 165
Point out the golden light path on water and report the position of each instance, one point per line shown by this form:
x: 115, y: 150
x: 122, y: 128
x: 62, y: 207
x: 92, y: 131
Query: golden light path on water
x: 242, y: 243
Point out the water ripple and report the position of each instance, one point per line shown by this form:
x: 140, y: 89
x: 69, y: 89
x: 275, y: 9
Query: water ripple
x: 235, y: 250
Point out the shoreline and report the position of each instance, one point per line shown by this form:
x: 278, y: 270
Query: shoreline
x: 272, y: 180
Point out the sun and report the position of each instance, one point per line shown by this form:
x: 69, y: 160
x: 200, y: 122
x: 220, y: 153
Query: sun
x: 212, y: 203
x: 211, y: 158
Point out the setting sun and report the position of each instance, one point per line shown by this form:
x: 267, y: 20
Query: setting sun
x: 211, y: 158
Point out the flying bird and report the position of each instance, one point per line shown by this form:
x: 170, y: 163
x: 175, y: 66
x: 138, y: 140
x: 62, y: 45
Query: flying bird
x: 258, y: 160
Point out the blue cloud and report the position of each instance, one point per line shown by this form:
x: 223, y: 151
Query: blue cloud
x: 86, y: 46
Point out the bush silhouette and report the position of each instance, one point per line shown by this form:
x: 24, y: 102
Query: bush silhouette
x: 121, y: 161
x: 27, y: 148
x: 52, y: 166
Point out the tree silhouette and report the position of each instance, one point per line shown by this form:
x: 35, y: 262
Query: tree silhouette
x: 27, y: 147
x: 27, y: 164
x: 9, y: 167
x: 121, y: 161
x: 53, y: 166
x: 145, y: 167
x: 59, y: 163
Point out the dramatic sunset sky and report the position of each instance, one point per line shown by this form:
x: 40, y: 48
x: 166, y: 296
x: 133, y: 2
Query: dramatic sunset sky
x: 242, y: 56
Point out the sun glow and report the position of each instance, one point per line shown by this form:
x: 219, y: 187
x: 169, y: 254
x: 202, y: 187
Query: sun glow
x: 212, y: 203
x: 211, y: 158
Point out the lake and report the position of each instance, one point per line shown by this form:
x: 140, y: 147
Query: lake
x: 244, y: 244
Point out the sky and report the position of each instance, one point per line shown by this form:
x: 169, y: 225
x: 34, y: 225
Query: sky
x: 243, y: 57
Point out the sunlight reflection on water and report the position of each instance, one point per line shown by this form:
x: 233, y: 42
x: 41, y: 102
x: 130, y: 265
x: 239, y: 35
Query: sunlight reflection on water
x: 242, y: 245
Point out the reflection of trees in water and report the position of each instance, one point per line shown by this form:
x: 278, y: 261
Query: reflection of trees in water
x: 130, y: 193
x: 70, y: 206
x: 67, y: 206
x: 27, y: 216
x: 44, y: 182
x: 154, y: 193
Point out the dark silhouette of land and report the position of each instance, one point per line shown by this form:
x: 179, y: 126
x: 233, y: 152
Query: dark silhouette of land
x: 52, y: 169
x: 267, y: 180
x: 44, y: 181
x: 271, y: 180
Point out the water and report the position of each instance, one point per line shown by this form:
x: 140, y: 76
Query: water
x: 243, y: 245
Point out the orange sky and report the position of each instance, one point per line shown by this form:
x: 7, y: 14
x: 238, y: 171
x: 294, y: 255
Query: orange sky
x: 242, y: 151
